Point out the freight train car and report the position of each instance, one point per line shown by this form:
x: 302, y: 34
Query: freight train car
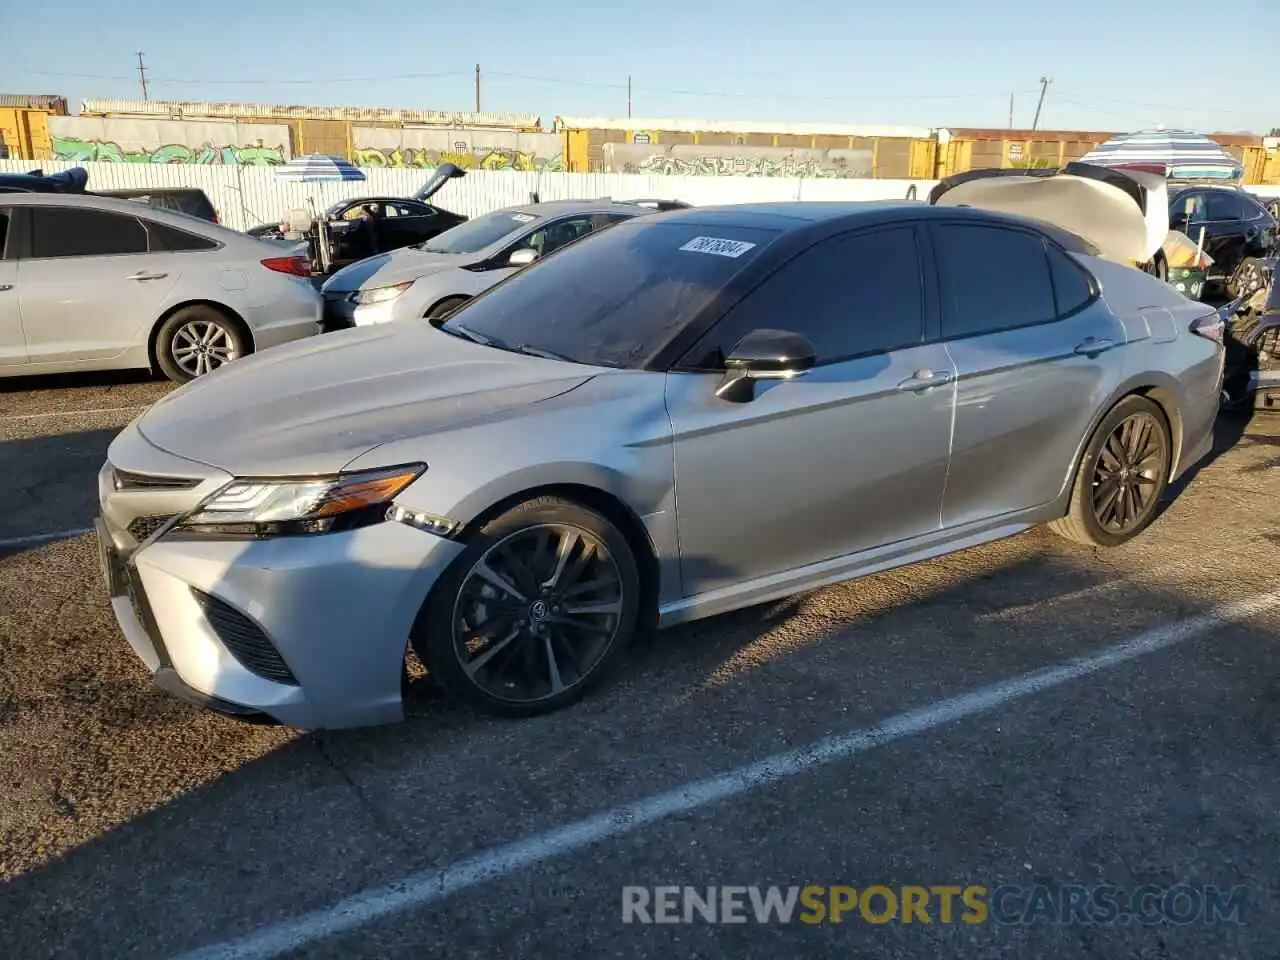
x: 24, y: 125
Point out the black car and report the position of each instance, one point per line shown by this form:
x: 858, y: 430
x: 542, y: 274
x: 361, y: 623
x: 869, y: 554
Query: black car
x: 37, y: 181
x: 1236, y: 225
x: 189, y: 200
x: 361, y: 227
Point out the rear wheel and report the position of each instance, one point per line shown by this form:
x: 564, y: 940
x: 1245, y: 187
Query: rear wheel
x: 534, y: 612
x: 441, y: 310
x: 197, y: 340
x: 1121, y: 477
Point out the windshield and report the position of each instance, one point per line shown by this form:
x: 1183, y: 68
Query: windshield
x: 614, y: 299
x: 478, y: 233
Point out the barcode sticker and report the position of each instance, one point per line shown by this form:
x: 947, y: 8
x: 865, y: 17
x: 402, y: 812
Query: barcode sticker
x: 523, y: 217
x: 718, y: 246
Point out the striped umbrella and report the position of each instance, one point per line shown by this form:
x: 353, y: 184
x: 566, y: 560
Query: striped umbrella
x: 1187, y: 155
x: 318, y: 167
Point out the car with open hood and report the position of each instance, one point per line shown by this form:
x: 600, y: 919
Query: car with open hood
x: 433, y: 278
x: 685, y: 414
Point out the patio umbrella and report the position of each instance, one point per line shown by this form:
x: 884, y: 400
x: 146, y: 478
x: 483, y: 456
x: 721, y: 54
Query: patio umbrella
x: 316, y: 167
x: 1187, y: 155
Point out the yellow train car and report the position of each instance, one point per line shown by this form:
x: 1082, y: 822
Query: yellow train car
x: 24, y: 125
x: 746, y: 148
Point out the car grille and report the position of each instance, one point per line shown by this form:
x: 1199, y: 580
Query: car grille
x: 143, y: 527
x: 125, y: 480
x: 244, y: 639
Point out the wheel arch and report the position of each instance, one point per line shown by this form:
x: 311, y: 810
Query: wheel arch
x: 437, y: 301
x: 153, y: 337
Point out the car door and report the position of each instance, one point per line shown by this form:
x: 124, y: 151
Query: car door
x: 849, y: 456
x: 13, y: 344
x: 89, y: 287
x: 1031, y: 344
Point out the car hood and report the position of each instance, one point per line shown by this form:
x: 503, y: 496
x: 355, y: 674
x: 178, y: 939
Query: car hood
x: 1124, y: 213
x: 397, y: 266
x: 314, y: 405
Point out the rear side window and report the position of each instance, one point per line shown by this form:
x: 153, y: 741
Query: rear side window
x: 170, y: 239
x: 992, y: 279
x: 72, y: 232
x: 849, y: 295
x: 4, y: 230
x: 1071, y: 287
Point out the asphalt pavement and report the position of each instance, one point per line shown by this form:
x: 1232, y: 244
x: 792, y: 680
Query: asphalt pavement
x: 952, y: 756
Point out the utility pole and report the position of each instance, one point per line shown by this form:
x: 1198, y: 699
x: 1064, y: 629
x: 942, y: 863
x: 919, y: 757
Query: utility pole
x: 142, y: 75
x: 1044, y: 86
x: 628, y: 95
x: 1011, y: 111
x: 477, y: 88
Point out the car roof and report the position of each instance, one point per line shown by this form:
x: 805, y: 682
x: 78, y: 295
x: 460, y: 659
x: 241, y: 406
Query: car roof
x: 92, y: 201
x: 558, y: 208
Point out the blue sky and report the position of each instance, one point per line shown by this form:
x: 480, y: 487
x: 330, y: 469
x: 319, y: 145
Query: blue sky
x: 1114, y: 65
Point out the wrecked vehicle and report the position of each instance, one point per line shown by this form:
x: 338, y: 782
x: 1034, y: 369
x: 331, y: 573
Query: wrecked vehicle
x: 1252, y: 378
x: 359, y: 227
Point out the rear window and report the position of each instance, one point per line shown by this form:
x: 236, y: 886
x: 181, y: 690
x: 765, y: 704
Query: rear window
x: 479, y: 233
x: 616, y: 298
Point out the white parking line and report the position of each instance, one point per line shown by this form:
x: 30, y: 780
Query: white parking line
x: 94, y: 411
x: 44, y: 537
x: 429, y: 886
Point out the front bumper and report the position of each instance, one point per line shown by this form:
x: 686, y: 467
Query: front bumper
x: 306, y: 631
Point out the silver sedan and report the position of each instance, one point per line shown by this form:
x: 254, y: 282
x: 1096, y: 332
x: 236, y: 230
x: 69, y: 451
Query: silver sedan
x: 690, y: 413
x: 102, y: 283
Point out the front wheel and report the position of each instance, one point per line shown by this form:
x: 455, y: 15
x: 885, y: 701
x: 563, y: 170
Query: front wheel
x: 197, y: 340
x: 534, y: 612
x: 1121, y: 477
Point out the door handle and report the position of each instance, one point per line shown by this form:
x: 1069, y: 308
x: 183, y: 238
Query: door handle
x: 144, y: 275
x: 5, y: 286
x: 1092, y: 346
x: 926, y: 378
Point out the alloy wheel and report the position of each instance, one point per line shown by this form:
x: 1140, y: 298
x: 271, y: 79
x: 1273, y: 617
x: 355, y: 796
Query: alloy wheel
x: 201, y: 346
x: 537, y: 613
x: 1128, y: 473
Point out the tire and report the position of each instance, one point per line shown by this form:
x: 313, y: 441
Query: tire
x: 586, y: 644
x: 1084, y: 522
x: 221, y: 342
x: 441, y: 310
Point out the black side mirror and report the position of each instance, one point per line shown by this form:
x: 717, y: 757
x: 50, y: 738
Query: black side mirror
x: 764, y: 354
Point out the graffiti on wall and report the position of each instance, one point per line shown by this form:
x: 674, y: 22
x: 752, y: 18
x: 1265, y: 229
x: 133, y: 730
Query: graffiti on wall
x: 725, y: 161
x: 496, y: 158
x: 81, y: 151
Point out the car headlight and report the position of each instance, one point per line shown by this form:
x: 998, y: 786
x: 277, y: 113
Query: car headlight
x: 380, y: 294
x: 262, y: 508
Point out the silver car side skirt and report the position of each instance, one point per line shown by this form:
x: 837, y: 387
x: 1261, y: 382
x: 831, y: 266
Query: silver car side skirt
x: 776, y: 586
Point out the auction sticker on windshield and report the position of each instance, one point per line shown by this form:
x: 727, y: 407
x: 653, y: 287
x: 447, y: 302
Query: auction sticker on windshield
x: 718, y: 246
x: 523, y: 217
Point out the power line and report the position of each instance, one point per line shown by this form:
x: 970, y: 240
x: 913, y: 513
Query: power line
x: 142, y: 75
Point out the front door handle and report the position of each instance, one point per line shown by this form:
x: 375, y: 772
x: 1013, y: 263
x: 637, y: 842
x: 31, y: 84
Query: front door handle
x: 5, y: 286
x: 1092, y: 346
x: 144, y: 275
x: 926, y: 378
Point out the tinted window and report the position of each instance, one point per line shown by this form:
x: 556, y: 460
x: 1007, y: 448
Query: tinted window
x: 4, y: 229
x: 850, y: 295
x: 70, y: 232
x: 1224, y: 206
x: 616, y: 300
x: 992, y: 279
x: 1071, y: 287
x: 167, y: 238
x: 479, y: 233
x: 556, y: 234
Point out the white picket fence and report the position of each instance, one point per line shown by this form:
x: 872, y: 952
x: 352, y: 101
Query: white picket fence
x: 245, y: 196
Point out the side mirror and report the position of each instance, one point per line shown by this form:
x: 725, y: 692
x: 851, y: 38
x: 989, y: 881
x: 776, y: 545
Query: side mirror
x: 764, y: 354
x: 522, y: 257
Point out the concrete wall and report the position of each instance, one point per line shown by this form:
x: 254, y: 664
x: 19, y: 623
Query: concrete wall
x: 117, y: 140
x: 469, y: 149
x: 734, y: 161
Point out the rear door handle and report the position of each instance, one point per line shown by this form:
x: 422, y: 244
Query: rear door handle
x: 1092, y: 346
x: 5, y: 286
x: 926, y: 378
x: 144, y: 275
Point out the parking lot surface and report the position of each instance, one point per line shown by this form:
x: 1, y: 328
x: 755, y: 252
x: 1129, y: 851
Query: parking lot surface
x: 135, y: 826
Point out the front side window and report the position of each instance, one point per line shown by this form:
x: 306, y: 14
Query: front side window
x: 850, y: 295
x: 616, y: 301
x: 993, y: 279
x: 73, y: 232
x: 555, y: 235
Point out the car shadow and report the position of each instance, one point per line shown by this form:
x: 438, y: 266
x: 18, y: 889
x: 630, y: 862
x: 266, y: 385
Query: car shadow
x: 1229, y: 429
x: 56, y: 381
